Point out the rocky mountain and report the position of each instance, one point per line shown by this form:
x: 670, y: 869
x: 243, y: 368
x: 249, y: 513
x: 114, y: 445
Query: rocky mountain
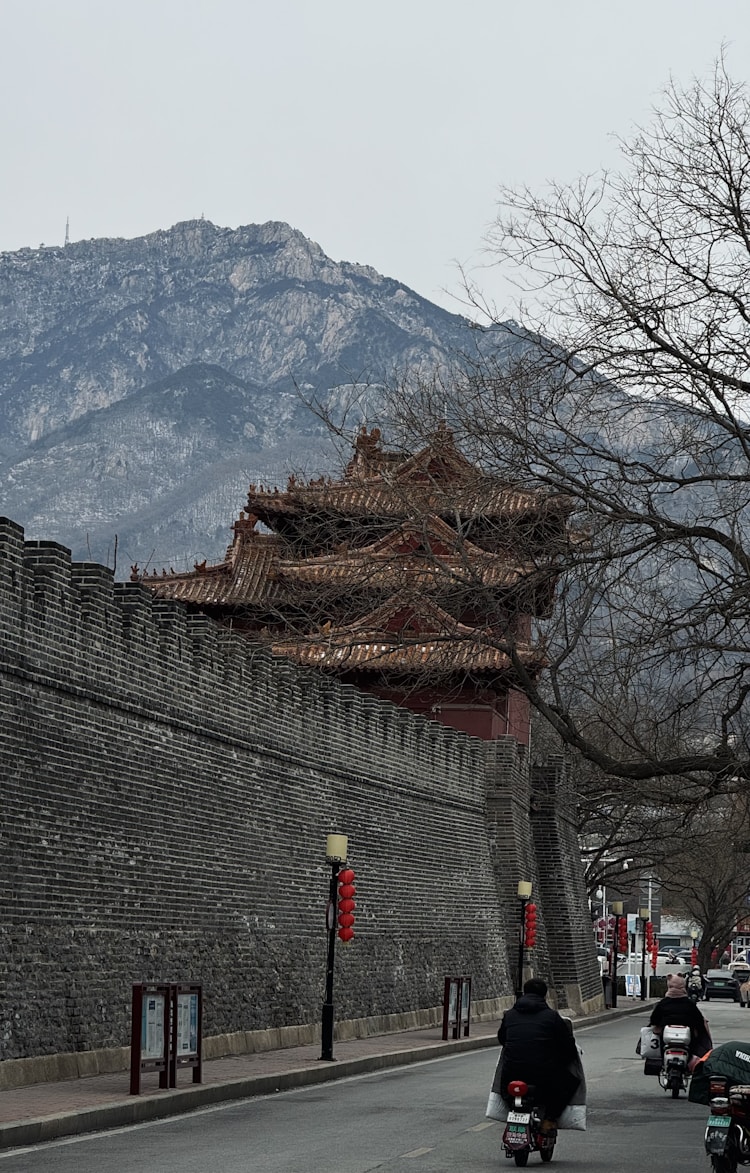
x: 144, y: 383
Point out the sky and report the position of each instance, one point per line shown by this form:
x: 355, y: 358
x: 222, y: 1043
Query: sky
x: 381, y: 131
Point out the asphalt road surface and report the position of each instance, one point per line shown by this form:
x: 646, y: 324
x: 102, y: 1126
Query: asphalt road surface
x: 426, y: 1118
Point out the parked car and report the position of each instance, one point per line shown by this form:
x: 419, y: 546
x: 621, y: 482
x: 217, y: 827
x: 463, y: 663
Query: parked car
x: 720, y: 983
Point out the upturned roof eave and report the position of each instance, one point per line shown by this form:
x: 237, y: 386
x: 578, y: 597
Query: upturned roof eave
x: 419, y: 661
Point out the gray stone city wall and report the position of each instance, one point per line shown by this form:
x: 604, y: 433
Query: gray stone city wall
x: 167, y: 791
x: 567, y: 923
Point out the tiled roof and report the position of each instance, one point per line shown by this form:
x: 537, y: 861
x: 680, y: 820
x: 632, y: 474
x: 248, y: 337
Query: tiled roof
x: 421, y: 555
x: 371, y: 652
x: 444, y: 573
x: 480, y: 498
x: 258, y: 574
x: 245, y: 577
x: 442, y: 646
x: 436, y: 480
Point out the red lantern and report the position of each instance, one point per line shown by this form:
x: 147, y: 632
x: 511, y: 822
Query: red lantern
x: 622, y: 943
x: 654, y: 955
x: 529, y: 926
x: 346, y: 905
x: 694, y: 956
x: 649, y: 936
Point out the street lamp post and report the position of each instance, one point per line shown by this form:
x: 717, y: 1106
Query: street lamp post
x: 651, y: 918
x: 617, y: 909
x: 694, y: 952
x: 337, y: 847
x: 644, y: 914
x: 524, y: 895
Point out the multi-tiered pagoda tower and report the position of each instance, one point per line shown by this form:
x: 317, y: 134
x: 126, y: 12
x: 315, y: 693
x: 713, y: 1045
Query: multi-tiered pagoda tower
x: 414, y: 577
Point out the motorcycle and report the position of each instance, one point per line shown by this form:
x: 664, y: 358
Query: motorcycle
x: 523, y: 1130
x: 727, y: 1136
x: 694, y: 990
x: 674, y: 1075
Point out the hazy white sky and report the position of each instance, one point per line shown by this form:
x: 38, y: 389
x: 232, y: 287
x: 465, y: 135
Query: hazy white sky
x: 380, y: 130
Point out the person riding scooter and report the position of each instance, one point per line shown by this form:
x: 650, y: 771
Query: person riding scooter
x: 538, y: 1047
x: 696, y: 984
x: 677, y: 1009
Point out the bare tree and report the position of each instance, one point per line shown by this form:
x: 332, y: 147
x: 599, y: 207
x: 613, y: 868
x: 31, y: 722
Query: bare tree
x: 706, y: 875
x: 638, y: 415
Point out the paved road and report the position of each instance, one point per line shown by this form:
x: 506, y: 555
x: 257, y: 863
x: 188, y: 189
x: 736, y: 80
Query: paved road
x: 426, y: 1118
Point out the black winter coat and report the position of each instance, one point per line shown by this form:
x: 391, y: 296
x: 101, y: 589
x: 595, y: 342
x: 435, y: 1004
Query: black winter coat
x: 533, y: 1035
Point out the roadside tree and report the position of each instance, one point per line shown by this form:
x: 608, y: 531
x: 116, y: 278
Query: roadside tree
x: 707, y: 873
x: 638, y: 415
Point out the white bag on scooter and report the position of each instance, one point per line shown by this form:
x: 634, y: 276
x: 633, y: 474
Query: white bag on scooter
x: 649, y: 1048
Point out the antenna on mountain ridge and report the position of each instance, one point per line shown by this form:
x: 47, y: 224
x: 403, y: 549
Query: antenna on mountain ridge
x: 67, y: 230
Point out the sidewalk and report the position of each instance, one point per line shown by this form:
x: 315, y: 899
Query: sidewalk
x: 44, y: 1111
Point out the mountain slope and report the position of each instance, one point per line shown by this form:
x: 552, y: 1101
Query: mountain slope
x: 143, y: 383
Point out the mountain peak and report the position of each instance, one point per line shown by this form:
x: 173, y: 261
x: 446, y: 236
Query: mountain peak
x: 212, y: 320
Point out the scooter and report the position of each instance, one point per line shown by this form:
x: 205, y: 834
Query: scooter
x: 727, y: 1136
x: 674, y: 1074
x: 523, y: 1131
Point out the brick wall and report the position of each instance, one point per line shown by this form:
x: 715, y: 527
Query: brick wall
x: 567, y: 921
x: 167, y: 791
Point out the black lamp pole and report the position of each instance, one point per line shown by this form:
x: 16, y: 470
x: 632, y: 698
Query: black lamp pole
x: 337, y: 847
x: 644, y: 920
x: 524, y: 895
x: 519, y: 989
x: 327, y: 1023
x: 614, y: 960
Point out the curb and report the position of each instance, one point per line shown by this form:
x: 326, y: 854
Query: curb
x: 141, y: 1109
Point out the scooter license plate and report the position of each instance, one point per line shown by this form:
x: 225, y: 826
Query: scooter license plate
x: 519, y: 1117
x: 713, y: 1122
x: 717, y: 1136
